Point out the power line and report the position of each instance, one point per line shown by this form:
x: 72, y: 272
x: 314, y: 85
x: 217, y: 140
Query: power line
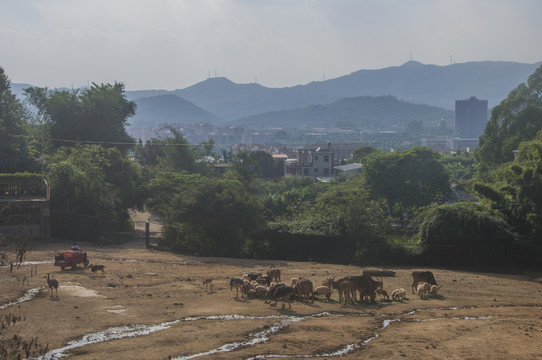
x: 109, y: 142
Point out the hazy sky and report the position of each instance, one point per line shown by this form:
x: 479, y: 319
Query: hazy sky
x: 171, y: 44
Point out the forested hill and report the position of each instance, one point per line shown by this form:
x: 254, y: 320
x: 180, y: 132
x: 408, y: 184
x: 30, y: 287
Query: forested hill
x: 365, y: 112
x: 170, y: 109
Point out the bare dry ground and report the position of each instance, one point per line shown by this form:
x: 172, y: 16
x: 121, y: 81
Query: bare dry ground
x: 152, y: 305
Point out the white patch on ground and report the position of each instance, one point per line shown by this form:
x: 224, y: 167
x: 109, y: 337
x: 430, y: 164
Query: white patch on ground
x: 78, y: 290
x: 116, y: 309
x: 28, y: 295
x: 26, y: 263
x: 262, y: 336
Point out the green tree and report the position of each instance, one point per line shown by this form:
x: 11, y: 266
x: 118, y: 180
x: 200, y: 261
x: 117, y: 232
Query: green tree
x: 13, y: 150
x: 204, y: 215
x: 105, y: 112
x: 407, y: 179
x: 345, y: 215
x: 170, y: 154
x: 361, y: 153
x: 96, y: 114
x: 460, y: 167
x: 465, y: 234
x: 93, y: 181
x: 290, y: 194
x: 249, y: 165
x: 516, y: 191
x: 517, y: 118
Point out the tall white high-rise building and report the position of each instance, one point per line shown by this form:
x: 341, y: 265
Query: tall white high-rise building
x: 470, y: 117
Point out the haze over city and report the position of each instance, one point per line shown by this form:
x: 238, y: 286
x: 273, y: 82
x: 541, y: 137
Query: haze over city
x: 174, y: 44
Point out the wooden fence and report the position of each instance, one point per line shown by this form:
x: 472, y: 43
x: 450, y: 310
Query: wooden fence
x: 35, y: 187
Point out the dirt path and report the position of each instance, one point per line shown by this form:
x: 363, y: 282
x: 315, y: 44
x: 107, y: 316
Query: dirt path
x: 152, y: 305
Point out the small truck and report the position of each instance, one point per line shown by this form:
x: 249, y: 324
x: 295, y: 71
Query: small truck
x: 70, y: 258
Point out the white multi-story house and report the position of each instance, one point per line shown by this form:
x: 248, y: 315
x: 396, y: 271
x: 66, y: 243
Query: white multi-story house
x: 316, y: 163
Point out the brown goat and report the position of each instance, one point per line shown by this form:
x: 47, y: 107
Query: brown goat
x: 273, y: 273
x: 364, y: 284
x: 281, y: 292
x: 237, y: 284
x: 208, y: 284
x: 304, y: 288
x: 96, y: 268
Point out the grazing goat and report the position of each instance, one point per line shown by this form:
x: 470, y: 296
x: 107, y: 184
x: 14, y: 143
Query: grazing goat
x: 347, y: 291
x: 96, y: 268
x: 323, y: 291
x: 273, y: 273
x: 281, y: 292
x: 208, y: 284
x: 304, y: 288
x: 245, y: 289
x: 398, y: 294
x: 423, y: 288
x: 345, y: 287
x: 422, y: 276
x: 237, y: 284
x: 382, y: 293
x: 261, y: 291
x: 364, y: 284
x: 264, y: 280
x: 253, y: 275
x: 293, y: 282
x: 52, y: 283
x: 434, y: 289
x: 379, y: 291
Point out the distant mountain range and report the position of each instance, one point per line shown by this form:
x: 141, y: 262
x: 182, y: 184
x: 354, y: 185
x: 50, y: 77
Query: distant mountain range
x: 219, y: 100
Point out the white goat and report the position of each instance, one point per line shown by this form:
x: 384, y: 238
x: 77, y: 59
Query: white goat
x: 422, y: 289
x: 323, y: 291
x: 398, y: 294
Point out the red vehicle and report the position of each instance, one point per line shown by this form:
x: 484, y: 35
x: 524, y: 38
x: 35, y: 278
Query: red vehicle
x: 70, y: 258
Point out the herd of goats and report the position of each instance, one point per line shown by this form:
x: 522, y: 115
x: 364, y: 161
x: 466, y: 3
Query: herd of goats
x: 270, y: 287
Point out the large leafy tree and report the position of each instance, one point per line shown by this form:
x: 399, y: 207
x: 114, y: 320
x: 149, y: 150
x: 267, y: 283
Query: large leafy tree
x: 361, y: 153
x: 517, y: 118
x: 248, y: 165
x: 174, y: 153
x: 465, y: 234
x: 204, y: 215
x: 93, y: 181
x: 516, y: 190
x: 347, y: 218
x: 96, y: 114
x: 13, y: 151
x: 406, y: 179
x: 290, y: 194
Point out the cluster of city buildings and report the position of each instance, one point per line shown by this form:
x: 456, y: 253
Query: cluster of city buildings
x: 323, y: 161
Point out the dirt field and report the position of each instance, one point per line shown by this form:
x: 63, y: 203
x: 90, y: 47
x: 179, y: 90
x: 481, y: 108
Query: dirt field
x: 152, y: 305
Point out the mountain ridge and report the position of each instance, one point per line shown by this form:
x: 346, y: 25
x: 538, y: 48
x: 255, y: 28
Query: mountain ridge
x: 415, y: 82
x: 221, y: 100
